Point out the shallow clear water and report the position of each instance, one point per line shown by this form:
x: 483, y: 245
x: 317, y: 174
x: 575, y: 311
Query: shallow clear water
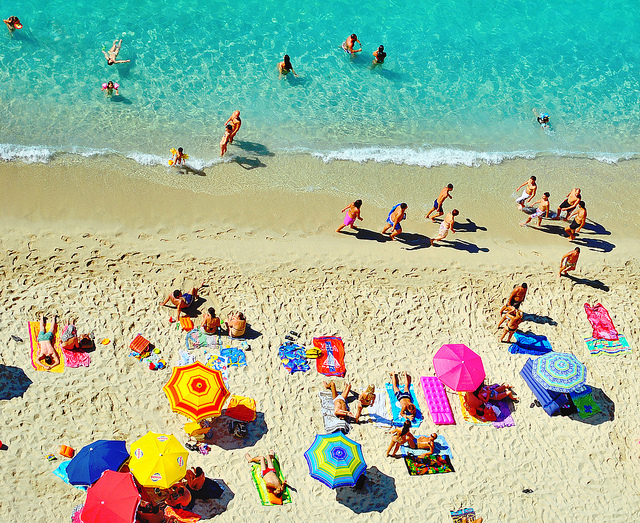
x: 460, y: 76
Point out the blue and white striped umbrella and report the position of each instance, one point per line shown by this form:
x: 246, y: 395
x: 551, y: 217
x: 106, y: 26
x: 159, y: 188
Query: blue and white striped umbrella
x: 335, y: 460
x: 560, y: 372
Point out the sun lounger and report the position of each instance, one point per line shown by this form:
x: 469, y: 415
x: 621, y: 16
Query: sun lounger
x: 331, y: 422
x: 551, y: 401
x: 437, y: 400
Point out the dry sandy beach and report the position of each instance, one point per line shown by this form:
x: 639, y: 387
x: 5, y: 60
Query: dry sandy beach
x: 104, y: 242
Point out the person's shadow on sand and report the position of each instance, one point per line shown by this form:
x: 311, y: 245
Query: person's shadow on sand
x: 253, y: 147
x: 366, y: 234
x: 374, y: 492
x: 185, y: 169
x: 596, y: 284
x: 468, y: 226
x: 248, y: 163
x: 461, y: 245
x: 255, y: 431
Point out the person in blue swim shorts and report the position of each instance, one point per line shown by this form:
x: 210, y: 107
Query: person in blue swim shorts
x: 396, y: 215
x: 182, y: 301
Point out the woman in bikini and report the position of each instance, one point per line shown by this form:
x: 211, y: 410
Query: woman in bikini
x: 366, y: 399
x: 341, y: 409
x: 112, y: 55
x: 352, y: 214
x: 285, y: 67
x: 236, y: 324
x: 268, y: 473
x: 210, y: 324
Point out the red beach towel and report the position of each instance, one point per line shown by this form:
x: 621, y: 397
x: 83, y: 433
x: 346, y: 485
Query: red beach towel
x: 76, y: 358
x: 331, y: 363
x: 603, y: 328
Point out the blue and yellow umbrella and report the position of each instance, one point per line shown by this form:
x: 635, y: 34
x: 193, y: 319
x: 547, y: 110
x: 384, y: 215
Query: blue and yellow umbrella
x: 335, y: 460
x: 560, y: 372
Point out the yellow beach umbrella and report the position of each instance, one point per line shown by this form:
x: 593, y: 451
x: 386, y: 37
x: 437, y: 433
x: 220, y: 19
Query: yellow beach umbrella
x: 158, y: 460
x: 196, y: 391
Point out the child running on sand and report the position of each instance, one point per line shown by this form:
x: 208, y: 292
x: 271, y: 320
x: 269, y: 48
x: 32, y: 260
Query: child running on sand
x: 352, y: 214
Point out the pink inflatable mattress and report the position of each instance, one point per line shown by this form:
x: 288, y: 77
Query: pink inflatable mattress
x: 437, y: 400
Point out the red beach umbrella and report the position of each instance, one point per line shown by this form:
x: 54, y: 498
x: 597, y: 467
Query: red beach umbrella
x: 113, y: 498
x: 458, y: 367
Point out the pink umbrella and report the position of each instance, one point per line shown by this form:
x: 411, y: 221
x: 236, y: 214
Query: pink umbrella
x: 458, y: 367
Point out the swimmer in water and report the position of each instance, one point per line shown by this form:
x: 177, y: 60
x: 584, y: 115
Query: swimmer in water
x: 109, y: 87
x: 113, y: 53
x: 224, y: 143
x: 178, y: 158
x: 543, y: 119
x: 349, y: 43
x: 13, y: 22
x: 379, y: 56
x: 285, y: 67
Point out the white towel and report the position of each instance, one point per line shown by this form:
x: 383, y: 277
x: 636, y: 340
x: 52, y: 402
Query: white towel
x: 378, y: 412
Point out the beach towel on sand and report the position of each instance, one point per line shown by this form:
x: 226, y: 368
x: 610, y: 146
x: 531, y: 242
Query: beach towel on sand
x: 463, y: 515
x: 505, y: 418
x: 34, y: 328
x: 531, y: 344
x: 331, y: 362
x: 331, y: 422
x: 293, y: 358
x: 398, y: 421
x: 603, y: 328
x: 610, y: 347
x: 423, y: 465
x: 441, y: 448
x: 378, y: 412
x: 76, y: 358
x: 585, y: 403
x: 262, y: 488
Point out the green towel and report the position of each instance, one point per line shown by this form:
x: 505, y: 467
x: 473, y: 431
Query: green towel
x: 262, y: 488
x: 585, y: 403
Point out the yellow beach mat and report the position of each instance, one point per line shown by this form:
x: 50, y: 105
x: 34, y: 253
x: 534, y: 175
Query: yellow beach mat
x: 34, y: 328
x: 467, y: 416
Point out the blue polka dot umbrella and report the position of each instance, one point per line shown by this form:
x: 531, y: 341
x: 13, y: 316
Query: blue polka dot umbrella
x: 560, y: 372
x: 335, y: 460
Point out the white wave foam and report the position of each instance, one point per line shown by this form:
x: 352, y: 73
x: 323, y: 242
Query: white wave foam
x: 147, y: 159
x: 25, y: 153
x: 422, y: 157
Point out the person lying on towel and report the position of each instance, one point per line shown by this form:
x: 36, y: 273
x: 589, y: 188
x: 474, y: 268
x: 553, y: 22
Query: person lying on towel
x: 268, y: 473
x: 47, y: 355
x: 479, y: 402
x: 340, y: 401
x: 407, y: 408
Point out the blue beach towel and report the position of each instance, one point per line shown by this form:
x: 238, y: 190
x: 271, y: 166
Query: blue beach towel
x: 235, y: 356
x: 441, y: 448
x: 61, y: 472
x: 395, y: 407
x: 531, y: 344
x: 293, y: 358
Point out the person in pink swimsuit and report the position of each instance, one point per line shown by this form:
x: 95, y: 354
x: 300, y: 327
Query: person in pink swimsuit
x: 352, y: 213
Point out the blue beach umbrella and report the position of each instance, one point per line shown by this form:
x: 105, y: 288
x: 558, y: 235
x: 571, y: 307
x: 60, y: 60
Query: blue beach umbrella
x: 88, y: 465
x: 335, y: 460
x: 560, y: 372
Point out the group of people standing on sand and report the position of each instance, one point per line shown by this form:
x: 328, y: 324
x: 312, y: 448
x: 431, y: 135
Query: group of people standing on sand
x: 398, y: 213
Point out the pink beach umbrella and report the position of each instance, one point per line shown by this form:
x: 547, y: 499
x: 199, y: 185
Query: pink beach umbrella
x: 458, y: 367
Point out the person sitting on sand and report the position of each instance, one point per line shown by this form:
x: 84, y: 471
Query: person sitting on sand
x: 112, y: 55
x: 210, y: 323
x: 517, y: 296
x: 407, y: 408
x: 236, y: 324
x: 569, y: 204
x: 529, y: 192
x: 541, y: 212
x: 352, y: 214
x: 69, y: 337
x: 13, y: 22
x: 200, y: 486
x: 439, y: 201
x: 514, y: 319
x: 366, y: 399
x: 400, y: 436
x: 226, y: 139
x: 578, y: 222
x: 446, y: 226
x: 341, y: 409
x: 396, y: 215
x: 378, y: 57
x: 235, y: 122
x: 180, y: 496
x: 183, y: 301
x: 349, y: 43
x: 479, y: 403
x: 47, y: 355
x: 285, y: 67
x: 268, y: 473
x: 569, y: 261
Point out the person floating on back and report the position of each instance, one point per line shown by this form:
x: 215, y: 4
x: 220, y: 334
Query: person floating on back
x: 112, y: 55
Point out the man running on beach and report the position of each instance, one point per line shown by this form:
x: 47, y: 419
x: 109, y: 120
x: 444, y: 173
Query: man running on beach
x: 235, y: 122
x: 528, y: 193
x: 517, y: 296
x: 113, y: 54
x: 397, y: 214
x: 446, y: 226
x: 182, y: 301
x: 569, y: 204
x: 578, y: 222
x: 569, y: 261
x: 541, y: 212
x: 437, y: 203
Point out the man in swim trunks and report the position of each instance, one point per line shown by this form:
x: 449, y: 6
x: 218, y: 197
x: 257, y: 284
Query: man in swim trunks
x: 352, y: 214
x: 569, y: 261
x: 407, y: 408
x: 541, y: 212
x: 396, y: 215
x: 569, y: 204
x: 12, y: 22
x: 379, y: 56
x: 341, y: 409
x: 528, y: 193
x: 439, y: 201
x: 182, y: 301
x: 349, y: 43
x: 268, y: 473
x: 47, y: 355
x: 235, y: 122
x: 578, y: 222
x: 113, y: 54
x: 517, y: 296
x: 446, y: 226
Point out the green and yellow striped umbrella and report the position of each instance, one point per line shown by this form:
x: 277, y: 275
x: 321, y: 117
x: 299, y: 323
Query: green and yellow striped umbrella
x: 335, y: 460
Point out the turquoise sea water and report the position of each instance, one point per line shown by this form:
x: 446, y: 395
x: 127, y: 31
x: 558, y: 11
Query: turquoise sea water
x: 458, y: 86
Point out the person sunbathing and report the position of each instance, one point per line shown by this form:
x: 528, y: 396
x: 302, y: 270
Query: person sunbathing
x: 479, y: 402
x: 180, y: 496
x: 69, y: 337
x: 407, y: 408
x: 268, y: 473
x: 423, y: 443
x: 340, y: 401
x: 236, y: 324
x: 47, y: 355
x: 366, y: 399
x: 182, y: 301
x: 210, y: 324
x: 400, y: 436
